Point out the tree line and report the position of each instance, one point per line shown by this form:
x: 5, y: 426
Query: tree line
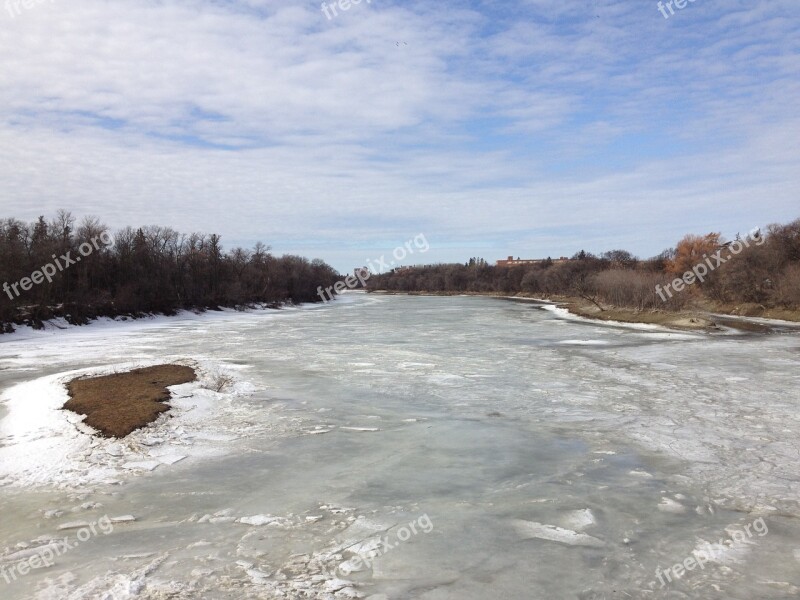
x: 57, y: 268
x: 765, y: 272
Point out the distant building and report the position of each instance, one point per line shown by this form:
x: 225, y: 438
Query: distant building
x: 528, y: 262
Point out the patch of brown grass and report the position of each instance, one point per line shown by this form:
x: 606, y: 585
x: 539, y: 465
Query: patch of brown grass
x: 118, y: 404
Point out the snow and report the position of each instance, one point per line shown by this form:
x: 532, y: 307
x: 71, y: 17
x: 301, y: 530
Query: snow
x: 566, y: 315
x: 43, y: 445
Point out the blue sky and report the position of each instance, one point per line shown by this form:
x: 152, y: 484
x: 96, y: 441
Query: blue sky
x: 525, y: 127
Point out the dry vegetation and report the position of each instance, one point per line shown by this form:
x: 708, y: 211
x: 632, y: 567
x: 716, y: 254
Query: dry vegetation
x: 220, y: 382
x: 118, y: 404
x: 763, y: 280
x: 146, y: 270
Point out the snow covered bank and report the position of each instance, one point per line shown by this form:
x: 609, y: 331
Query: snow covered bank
x: 60, y: 324
x: 41, y: 444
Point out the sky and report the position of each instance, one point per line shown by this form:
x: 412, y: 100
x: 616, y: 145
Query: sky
x: 530, y: 128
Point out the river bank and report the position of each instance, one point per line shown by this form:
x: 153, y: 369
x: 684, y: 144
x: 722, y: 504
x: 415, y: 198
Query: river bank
x: 37, y: 318
x: 702, y: 318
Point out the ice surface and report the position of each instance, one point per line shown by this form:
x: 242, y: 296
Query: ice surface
x: 556, y: 457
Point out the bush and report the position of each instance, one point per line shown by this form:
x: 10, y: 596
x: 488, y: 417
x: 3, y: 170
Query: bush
x: 634, y: 289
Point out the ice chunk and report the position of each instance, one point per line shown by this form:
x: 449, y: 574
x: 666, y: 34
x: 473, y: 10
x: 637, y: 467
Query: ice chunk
x: 144, y: 465
x: 258, y: 577
x: 640, y: 473
x: 580, y: 519
x: 73, y: 525
x: 57, y: 547
x: 532, y: 529
x: 115, y: 450
x: 218, y: 520
x: 123, y: 519
x: 668, y: 505
x: 725, y: 553
x: 334, y: 585
x: 363, y: 429
x: 170, y: 459
x: 259, y: 520
x: 663, y: 367
x: 152, y: 441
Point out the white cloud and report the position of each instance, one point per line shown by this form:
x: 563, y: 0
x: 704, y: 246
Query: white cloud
x: 532, y: 128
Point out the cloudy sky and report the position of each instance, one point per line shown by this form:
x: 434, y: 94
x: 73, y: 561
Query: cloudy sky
x: 494, y: 127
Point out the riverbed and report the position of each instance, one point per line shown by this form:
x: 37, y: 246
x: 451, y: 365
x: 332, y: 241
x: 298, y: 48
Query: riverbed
x: 394, y: 447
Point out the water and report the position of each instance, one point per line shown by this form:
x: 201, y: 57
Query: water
x: 494, y: 422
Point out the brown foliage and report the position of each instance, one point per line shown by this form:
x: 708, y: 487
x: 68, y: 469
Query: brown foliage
x: 764, y: 270
x: 788, y: 290
x: 690, y: 251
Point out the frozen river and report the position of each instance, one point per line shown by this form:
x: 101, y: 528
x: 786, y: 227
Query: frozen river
x: 393, y: 447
